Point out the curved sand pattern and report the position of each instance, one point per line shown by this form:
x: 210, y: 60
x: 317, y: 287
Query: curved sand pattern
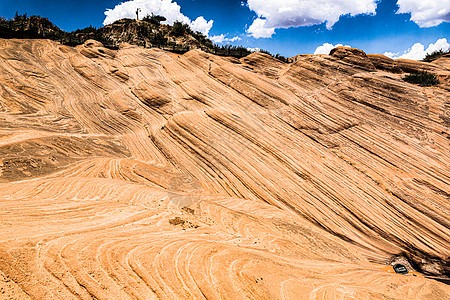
x: 143, y: 174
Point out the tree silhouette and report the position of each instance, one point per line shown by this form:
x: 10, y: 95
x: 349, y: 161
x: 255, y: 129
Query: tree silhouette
x: 180, y: 29
x: 154, y: 19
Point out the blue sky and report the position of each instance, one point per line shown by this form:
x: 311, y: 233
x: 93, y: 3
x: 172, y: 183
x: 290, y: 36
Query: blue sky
x: 288, y: 27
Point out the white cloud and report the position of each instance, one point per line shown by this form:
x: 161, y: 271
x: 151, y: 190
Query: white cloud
x: 200, y: 24
x: 327, y: 47
x: 223, y: 38
x: 418, y: 51
x: 391, y: 54
x: 426, y: 13
x: 256, y: 49
x: 258, y: 29
x: 218, y: 38
x: 441, y: 44
x: 296, y: 13
x: 234, y: 39
x: 166, y: 8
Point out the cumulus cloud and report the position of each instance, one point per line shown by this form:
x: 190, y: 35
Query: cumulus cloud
x: 222, y: 38
x: 256, y: 49
x: 200, y: 24
x: 418, y: 51
x: 426, y: 13
x: 218, y: 38
x: 234, y: 39
x: 259, y: 29
x: 391, y: 54
x: 166, y: 8
x: 326, y: 48
x: 296, y: 13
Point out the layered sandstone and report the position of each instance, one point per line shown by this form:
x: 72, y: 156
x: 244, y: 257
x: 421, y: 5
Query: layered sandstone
x: 139, y: 173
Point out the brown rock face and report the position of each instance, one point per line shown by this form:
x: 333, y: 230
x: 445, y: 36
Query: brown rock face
x: 355, y: 57
x: 382, y: 62
x: 140, y: 33
x: 414, y: 66
x: 443, y: 61
x: 141, y: 174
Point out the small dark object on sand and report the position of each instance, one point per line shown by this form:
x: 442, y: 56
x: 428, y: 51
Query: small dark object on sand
x: 400, y: 269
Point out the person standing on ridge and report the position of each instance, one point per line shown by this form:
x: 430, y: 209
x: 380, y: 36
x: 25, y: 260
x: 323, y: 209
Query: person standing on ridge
x: 137, y: 13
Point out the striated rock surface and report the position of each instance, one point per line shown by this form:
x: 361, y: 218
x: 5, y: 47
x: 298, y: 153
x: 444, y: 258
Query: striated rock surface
x: 382, y: 62
x: 443, y: 60
x: 139, y: 173
x: 354, y: 57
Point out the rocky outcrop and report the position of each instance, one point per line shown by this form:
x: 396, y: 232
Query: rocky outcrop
x: 411, y: 66
x: 139, y: 173
x: 443, y: 61
x: 385, y: 63
x: 28, y: 27
x: 145, y: 34
x: 354, y: 57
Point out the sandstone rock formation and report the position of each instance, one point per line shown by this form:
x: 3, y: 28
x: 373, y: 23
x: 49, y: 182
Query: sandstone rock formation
x: 443, y: 60
x: 385, y: 63
x: 139, y: 173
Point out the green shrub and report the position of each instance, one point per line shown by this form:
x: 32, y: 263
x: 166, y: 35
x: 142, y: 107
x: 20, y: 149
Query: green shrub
x: 144, y: 30
x: 124, y: 21
x: 277, y: 56
x: 3, y: 21
x: 434, y: 55
x: 89, y: 29
x: 229, y: 50
x: 154, y: 19
x: 180, y: 29
x: 158, y: 39
x: 281, y: 58
x: 202, y: 39
x: 422, y: 78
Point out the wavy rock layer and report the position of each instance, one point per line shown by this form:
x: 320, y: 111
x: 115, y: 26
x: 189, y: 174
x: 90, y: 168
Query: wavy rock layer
x: 143, y: 174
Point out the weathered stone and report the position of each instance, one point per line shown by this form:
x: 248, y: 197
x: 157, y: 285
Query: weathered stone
x: 385, y: 63
x: 355, y: 57
x: 283, y: 180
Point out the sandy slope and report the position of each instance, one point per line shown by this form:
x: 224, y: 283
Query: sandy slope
x: 143, y: 174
